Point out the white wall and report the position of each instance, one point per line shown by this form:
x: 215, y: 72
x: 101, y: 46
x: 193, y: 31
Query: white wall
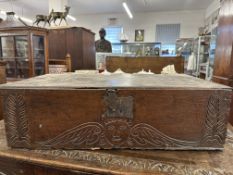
x: 212, y: 8
x: 190, y: 22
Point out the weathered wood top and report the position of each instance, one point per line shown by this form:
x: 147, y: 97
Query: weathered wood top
x: 98, y: 81
x: 129, y: 162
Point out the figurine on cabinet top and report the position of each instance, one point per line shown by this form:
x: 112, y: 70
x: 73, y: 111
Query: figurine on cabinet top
x: 103, y: 45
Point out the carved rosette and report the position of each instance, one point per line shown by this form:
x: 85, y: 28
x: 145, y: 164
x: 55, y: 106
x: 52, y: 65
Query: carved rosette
x: 16, y: 121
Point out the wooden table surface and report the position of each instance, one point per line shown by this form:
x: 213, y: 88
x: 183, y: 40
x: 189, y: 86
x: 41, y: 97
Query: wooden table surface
x: 122, y: 80
x: 129, y: 161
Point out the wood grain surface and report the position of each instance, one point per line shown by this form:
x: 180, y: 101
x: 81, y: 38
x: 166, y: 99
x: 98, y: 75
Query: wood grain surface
x: 123, y: 81
x: 2, y: 80
x: 76, y: 41
x: 87, y: 119
x: 136, y: 64
x: 223, y: 63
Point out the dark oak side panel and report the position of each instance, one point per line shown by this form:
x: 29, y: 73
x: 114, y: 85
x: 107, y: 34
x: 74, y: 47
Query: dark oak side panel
x: 57, y: 44
x: 2, y: 80
x: 88, y: 50
x: 223, y: 65
x: 78, y: 42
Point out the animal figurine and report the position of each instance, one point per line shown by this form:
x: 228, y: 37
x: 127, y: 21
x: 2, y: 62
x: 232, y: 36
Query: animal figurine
x: 43, y: 18
x: 60, y: 15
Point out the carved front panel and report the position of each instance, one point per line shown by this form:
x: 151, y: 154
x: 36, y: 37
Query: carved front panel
x: 116, y: 126
x: 122, y: 132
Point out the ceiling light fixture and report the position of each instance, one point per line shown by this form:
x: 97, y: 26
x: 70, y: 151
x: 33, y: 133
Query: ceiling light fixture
x: 22, y: 18
x: 3, y: 12
x: 145, y: 3
x: 71, y: 17
x: 127, y: 10
x: 26, y: 19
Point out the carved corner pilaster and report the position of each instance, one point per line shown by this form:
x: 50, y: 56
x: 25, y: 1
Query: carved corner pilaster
x: 215, y: 126
x: 16, y: 120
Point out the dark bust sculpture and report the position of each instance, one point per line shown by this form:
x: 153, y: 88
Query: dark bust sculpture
x: 103, y: 45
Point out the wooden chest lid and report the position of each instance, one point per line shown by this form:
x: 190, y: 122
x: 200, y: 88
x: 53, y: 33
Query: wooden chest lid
x: 114, y: 81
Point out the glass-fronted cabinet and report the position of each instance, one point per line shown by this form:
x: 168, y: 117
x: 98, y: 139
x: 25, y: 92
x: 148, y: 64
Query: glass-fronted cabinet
x: 184, y: 47
x: 24, y: 51
x: 204, y: 51
x: 210, y: 63
x: 39, y: 55
x: 14, y: 51
x: 24, y: 48
x: 137, y: 49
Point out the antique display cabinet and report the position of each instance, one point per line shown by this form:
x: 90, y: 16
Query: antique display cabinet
x: 184, y: 48
x: 138, y: 48
x: 23, y: 48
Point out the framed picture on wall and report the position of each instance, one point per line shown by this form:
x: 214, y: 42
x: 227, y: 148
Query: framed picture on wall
x: 139, y: 35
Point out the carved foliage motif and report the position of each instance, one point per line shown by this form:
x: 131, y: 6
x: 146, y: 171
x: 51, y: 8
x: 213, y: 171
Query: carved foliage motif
x: 230, y: 138
x: 128, y: 163
x: 91, y: 135
x: 216, y: 119
x: 16, y: 122
x: 88, y: 135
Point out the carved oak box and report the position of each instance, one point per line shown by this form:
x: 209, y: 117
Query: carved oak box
x: 71, y: 111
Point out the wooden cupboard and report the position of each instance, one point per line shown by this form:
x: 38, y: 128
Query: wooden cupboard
x: 23, y: 48
x: 78, y: 42
x: 25, y: 52
x: 223, y: 65
x: 2, y: 80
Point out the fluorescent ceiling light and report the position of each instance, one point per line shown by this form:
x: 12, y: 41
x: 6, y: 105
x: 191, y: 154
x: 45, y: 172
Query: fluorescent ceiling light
x: 127, y: 10
x: 26, y: 19
x: 71, y: 17
x: 3, y: 12
x: 22, y: 18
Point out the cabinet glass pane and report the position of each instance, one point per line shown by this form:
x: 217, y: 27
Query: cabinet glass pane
x: 15, y: 53
x: 21, y: 43
x: 21, y: 53
x: 139, y: 49
x: 8, y: 49
x: 39, y: 55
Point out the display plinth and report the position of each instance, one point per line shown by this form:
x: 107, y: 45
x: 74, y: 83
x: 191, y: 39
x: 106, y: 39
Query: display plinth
x: 69, y: 111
